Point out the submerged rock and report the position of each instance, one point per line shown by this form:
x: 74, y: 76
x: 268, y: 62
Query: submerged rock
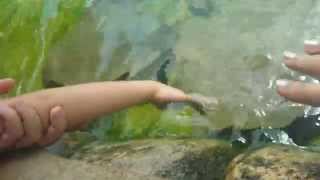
x: 276, y: 162
x: 169, y: 159
x: 40, y: 165
x: 305, y: 130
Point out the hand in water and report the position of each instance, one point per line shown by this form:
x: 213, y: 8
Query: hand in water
x: 21, y: 126
x: 306, y: 93
x: 166, y: 94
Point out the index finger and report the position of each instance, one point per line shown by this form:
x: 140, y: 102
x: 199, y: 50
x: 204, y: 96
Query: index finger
x: 305, y: 93
x: 306, y: 64
x: 312, y: 47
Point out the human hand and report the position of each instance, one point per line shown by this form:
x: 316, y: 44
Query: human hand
x: 37, y: 131
x: 166, y: 94
x: 306, y: 93
x: 11, y: 128
x: 21, y: 126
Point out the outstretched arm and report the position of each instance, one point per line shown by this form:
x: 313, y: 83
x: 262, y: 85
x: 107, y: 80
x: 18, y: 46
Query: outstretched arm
x: 82, y: 103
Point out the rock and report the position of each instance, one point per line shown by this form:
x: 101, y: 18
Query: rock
x: 276, y: 162
x: 41, y: 165
x: 305, y: 130
x: 169, y: 159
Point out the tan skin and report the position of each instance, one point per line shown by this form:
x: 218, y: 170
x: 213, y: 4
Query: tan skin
x: 21, y: 126
x: 83, y: 103
x: 309, y: 63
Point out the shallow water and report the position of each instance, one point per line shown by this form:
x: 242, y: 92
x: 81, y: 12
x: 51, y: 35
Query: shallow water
x: 228, y: 49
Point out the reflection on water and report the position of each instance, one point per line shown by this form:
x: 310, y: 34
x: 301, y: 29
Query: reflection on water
x: 231, y: 50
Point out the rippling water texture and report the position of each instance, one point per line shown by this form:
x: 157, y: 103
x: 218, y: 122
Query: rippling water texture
x: 228, y: 49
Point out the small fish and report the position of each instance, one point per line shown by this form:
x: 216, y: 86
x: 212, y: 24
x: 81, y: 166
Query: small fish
x: 53, y: 84
x: 123, y: 77
x: 202, y: 8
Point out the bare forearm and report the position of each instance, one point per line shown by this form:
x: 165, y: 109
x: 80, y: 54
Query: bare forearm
x: 82, y: 103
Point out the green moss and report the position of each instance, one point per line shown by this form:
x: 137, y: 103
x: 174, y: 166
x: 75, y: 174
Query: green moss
x: 134, y: 123
x: 315, y: 142
x: 146, y: 121
x: 27, y: 30
x: 174, y: 123
x: 139, y: 121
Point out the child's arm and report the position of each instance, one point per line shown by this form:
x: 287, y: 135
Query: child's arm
x: 83, y: 103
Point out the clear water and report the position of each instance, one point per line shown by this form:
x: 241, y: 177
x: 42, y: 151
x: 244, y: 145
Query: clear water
x: 228, y: 49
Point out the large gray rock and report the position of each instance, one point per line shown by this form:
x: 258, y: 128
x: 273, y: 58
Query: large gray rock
x: 141, y: 160
x: 276, y: 162
x: 169, y: 159
x: 40, y: 165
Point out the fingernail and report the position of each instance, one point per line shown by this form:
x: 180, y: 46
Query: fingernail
x: 289, y: 55
x: 57, y: 113
x: 282, y: 83
x: 311, y: 42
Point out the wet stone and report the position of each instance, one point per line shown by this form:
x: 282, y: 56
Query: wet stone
x: 275, y: 162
